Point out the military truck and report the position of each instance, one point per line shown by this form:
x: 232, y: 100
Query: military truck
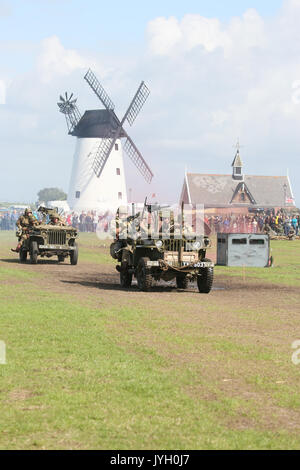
x: 47, y: 240
x: 178, y: 256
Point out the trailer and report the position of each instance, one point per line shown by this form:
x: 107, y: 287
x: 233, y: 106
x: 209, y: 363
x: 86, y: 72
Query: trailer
x: 243, y: 249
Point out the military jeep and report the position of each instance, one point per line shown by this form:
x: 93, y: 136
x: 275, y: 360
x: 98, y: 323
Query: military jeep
x: 153, y: 259
x: 48, y: 240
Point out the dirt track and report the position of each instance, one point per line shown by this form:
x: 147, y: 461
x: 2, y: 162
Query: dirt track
x: 97, y: 281
x: 238, y: 313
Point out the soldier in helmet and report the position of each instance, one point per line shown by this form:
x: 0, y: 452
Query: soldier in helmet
x: 123, y: 229
x: 24, y: 223
x: 55, y: 219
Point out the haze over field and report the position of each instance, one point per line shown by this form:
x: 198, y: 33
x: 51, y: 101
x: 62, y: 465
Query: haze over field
x: 215, y: 73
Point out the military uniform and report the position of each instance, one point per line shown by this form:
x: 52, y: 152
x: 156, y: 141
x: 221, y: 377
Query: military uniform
x: 57, y: 221
x: 266, y: 228
x: 24, y: 223
x: 124, y: 231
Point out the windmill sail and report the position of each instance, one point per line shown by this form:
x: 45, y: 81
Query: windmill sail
x: 105, y: 147
x: 95, y: 182
x: 102, y: 153
x: 137, y: 103
x: 98, y: 89
x: 136, y: 156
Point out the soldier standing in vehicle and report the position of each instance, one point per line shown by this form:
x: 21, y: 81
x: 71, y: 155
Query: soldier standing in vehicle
x: 55, y: 219
x: 24, y: 223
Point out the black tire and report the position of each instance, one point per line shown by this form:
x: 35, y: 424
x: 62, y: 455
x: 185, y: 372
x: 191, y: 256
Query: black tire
x: 74, y: 255
x: 61, y: 258
x: 113, y: 251
x: 34, y: 251
x: 205, y: 279
x: 22, y: 256
x: 144, y: 278
x: 125, y: 277
x: 181, y: 282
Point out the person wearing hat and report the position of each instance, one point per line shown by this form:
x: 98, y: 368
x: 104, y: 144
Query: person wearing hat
x: 24, y: 223
x: 55, y: 219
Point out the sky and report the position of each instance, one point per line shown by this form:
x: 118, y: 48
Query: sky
x: 217, y: 71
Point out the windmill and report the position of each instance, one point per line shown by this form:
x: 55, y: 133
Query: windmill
x: 98, y: 179
x: 68, y: 107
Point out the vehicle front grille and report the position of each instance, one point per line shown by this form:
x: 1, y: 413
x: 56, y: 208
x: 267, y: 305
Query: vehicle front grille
x: 172, y: 244
x: 57, y: 237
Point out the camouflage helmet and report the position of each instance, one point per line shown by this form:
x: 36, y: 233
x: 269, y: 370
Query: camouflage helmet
x: 28, y: 211
x: 54, y: 217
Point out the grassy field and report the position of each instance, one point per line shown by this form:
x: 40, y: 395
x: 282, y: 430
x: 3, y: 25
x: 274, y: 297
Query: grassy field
x: 89, y: 365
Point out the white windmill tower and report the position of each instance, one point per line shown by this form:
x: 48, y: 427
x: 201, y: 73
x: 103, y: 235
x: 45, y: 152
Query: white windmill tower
x: 98, y: 179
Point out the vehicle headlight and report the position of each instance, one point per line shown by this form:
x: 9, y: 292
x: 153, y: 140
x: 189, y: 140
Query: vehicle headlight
x: 196, y: 245
x: 158, y: 243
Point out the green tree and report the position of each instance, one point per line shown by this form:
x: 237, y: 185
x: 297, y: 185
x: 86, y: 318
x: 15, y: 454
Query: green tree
x: 51, y: 194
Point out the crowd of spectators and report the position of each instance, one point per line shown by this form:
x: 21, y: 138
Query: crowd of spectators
x: 280, y: 222
x: 8, y: 219
x: 89, y: 221
x: 84, y: 222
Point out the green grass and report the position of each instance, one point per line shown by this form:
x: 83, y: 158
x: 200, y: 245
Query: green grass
x: 121, y: 370
x: 79, y: 383
x: 10, y: 273
x: 68, y: 383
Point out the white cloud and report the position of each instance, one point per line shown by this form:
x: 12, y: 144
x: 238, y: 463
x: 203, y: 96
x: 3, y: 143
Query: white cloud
x: 219, y: 117
x: 164, y: 35
x: 200, y: 31
x: 169, y: 36
x: 2, y: 92
x: 54, y: 60
x: 296, y: 92
x: 210, y: 83
x: 220, y: 80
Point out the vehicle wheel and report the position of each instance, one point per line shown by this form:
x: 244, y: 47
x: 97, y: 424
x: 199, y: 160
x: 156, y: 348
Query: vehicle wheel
x: 34, y: 252
x: 22, y: 256
x: 125, y: 277
x: 181, y: 282
x: 74, y: 255
x: 205, y: 279
x: 144, y: 278
x: 61, y: 258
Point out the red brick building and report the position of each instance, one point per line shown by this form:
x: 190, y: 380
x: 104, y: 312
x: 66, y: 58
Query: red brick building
x: 236, y: 193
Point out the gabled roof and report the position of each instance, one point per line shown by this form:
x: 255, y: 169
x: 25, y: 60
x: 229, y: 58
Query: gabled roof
x: 243, y: 187
x: 217, y: 190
